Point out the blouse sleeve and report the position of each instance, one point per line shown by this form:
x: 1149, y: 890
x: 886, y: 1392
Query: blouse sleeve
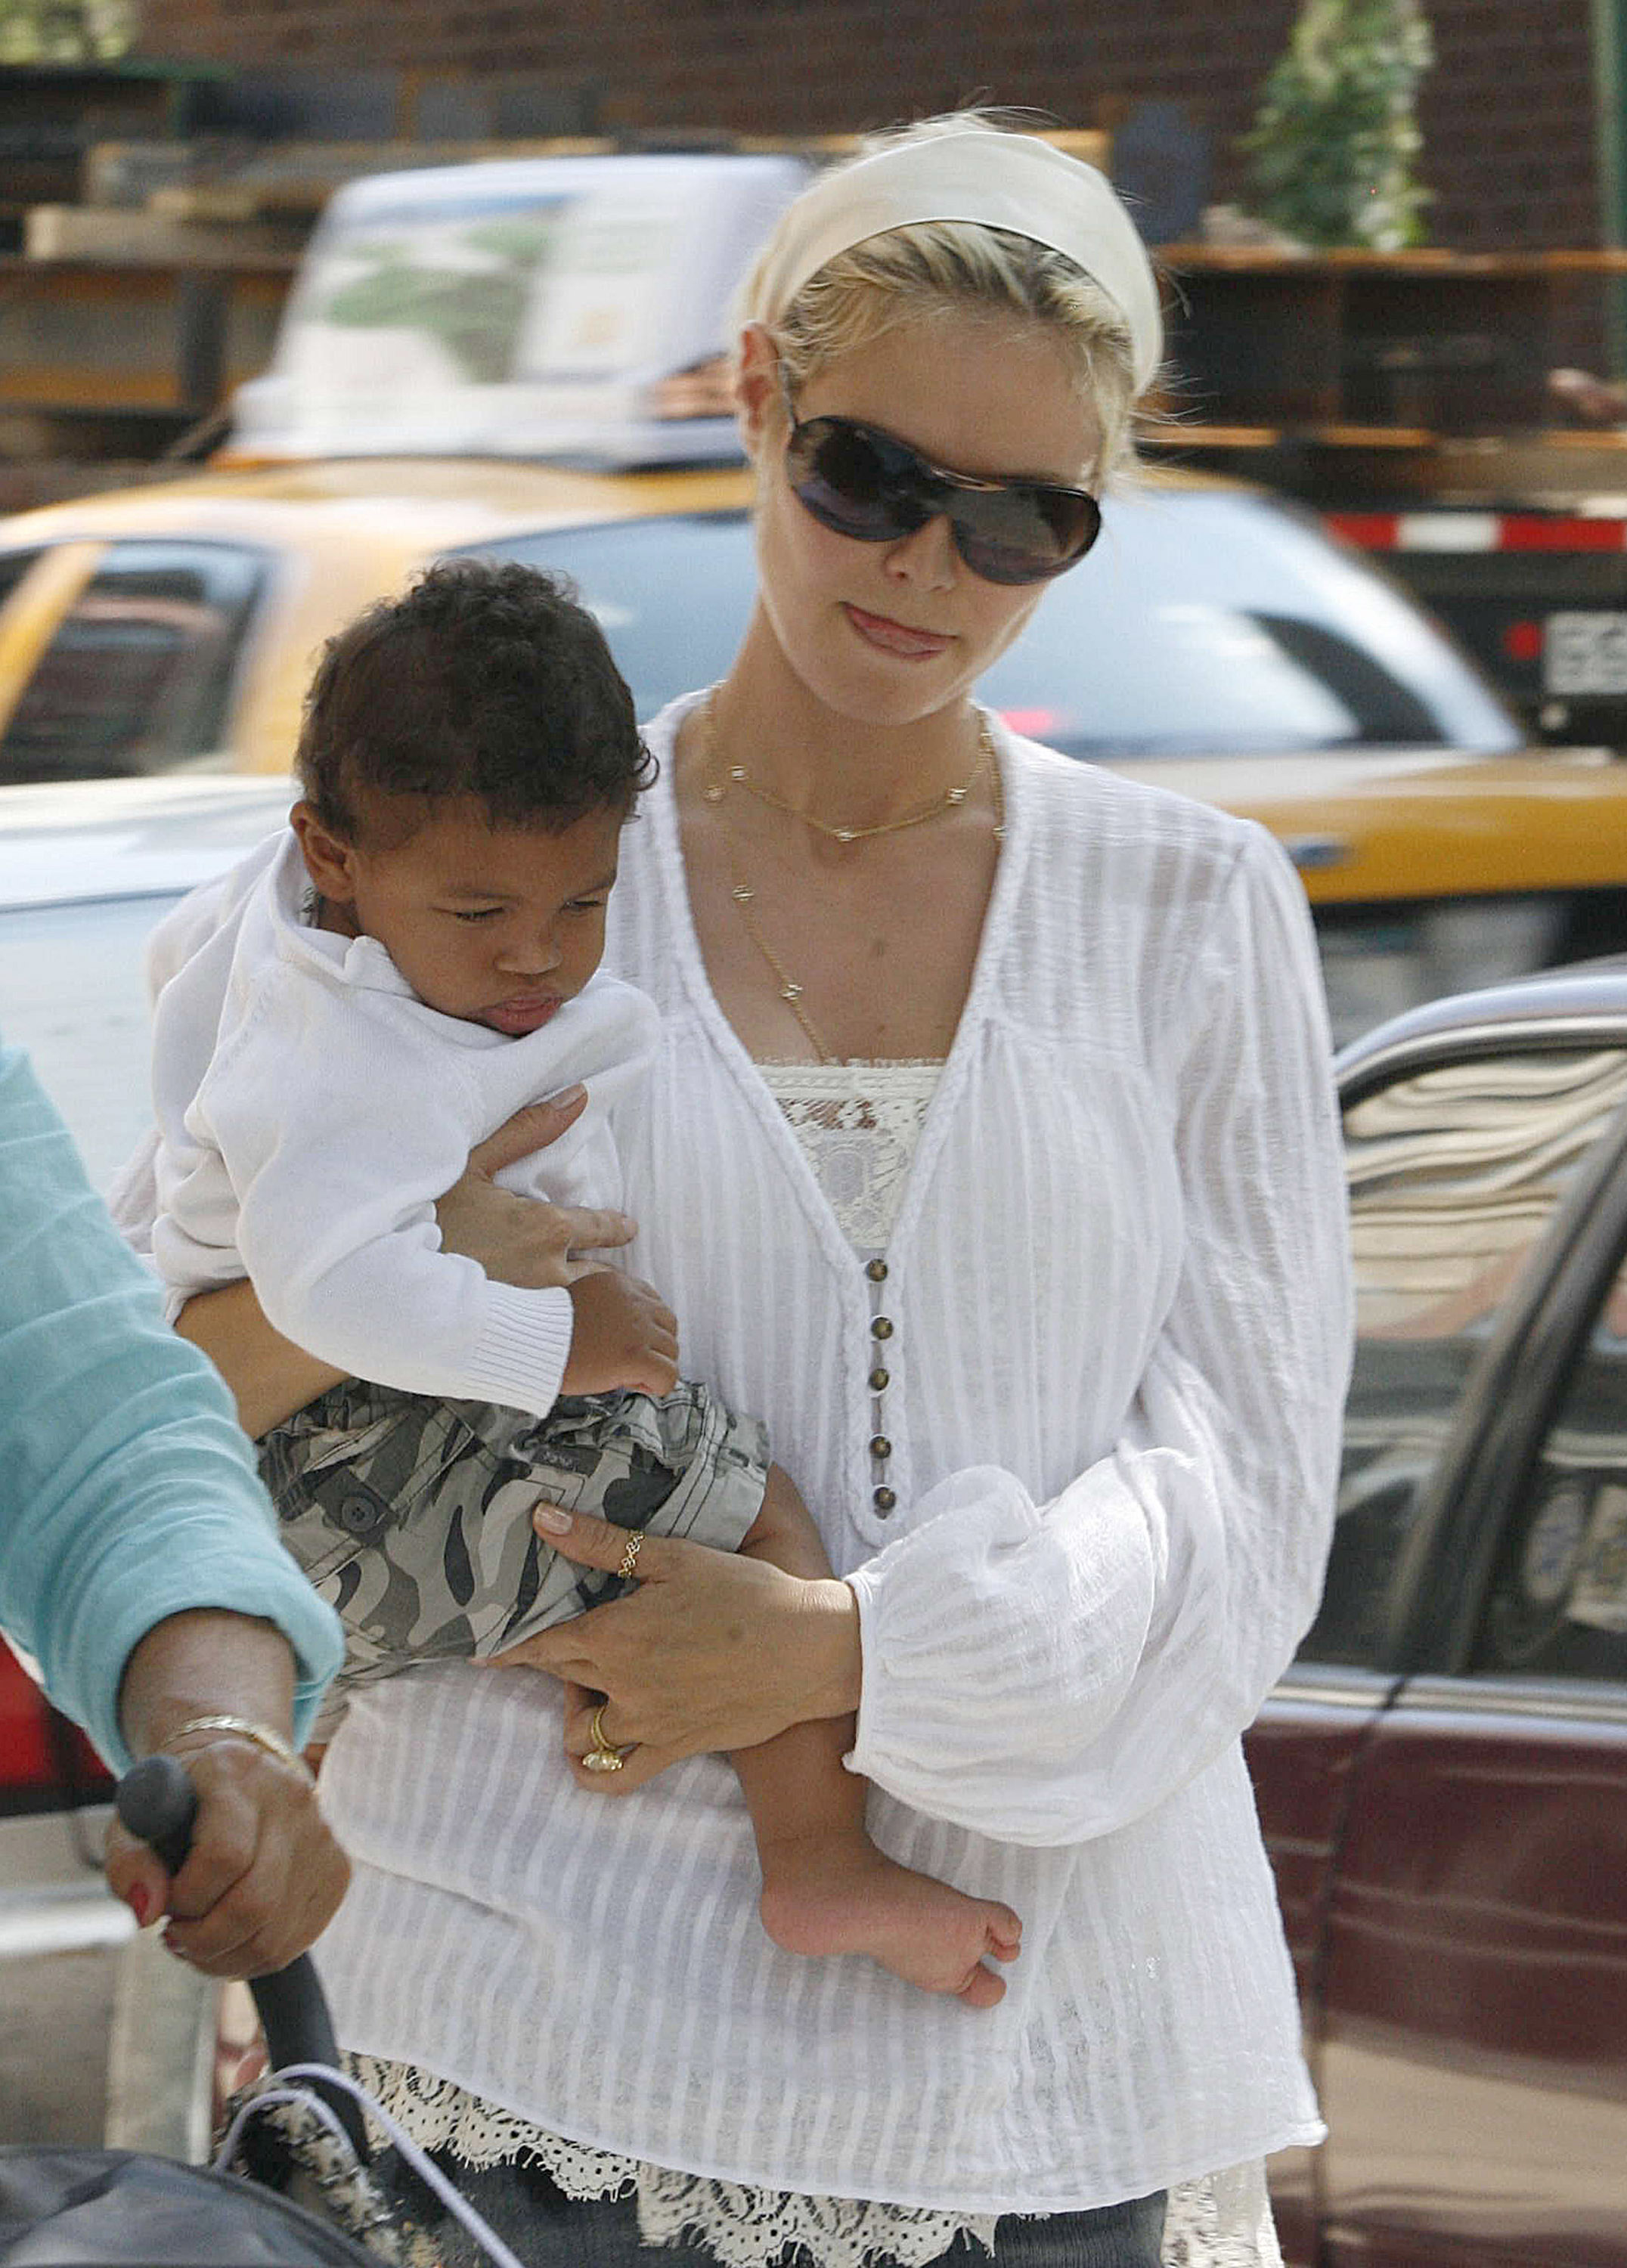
x: 1045, y: 1673
x: 128, y: 1492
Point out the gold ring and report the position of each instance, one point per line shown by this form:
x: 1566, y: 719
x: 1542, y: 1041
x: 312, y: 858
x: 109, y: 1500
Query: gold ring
x: 602, y: 1757
x: 630, y: 1557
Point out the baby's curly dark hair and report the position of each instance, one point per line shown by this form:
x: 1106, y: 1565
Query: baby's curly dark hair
x: 485, y: 680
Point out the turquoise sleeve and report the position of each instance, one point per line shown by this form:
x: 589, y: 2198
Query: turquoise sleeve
x: 127, y: 1491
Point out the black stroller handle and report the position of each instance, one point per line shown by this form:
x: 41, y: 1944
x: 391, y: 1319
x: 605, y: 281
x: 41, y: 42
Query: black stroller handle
x: 158, y: 1803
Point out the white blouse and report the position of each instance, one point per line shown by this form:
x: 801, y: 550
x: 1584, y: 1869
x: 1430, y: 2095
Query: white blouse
x: 1112, y: 1320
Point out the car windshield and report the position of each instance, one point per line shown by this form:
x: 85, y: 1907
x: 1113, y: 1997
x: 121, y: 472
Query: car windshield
x: 1205, y: 623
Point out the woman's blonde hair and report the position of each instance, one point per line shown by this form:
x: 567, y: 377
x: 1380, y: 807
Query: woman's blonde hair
x: 931, y: 270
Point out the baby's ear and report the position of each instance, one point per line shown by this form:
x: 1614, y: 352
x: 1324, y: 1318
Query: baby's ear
x: 330, y: 861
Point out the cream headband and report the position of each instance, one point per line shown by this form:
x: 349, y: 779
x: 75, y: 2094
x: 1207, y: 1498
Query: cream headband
x: 999, y: 180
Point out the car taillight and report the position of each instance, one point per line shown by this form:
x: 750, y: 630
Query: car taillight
x: 45, y: 1762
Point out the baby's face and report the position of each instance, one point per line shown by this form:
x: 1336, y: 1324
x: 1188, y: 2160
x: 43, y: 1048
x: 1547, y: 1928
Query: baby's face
x: 497, y: 925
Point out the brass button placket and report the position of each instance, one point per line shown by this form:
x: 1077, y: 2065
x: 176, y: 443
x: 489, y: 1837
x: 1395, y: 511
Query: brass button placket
x: 880, y: 1445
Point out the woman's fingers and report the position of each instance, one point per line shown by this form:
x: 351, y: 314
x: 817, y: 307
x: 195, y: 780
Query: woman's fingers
x: 591, y: 1228
x: 640, y: 1762
x: 532, y: 1128
x: 519, y: 1239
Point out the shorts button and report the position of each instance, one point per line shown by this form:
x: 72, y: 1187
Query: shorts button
x: 359, y: 1515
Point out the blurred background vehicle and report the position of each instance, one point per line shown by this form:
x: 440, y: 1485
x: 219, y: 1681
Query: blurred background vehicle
x: 1216, y: 641
x: 1442, y: 1778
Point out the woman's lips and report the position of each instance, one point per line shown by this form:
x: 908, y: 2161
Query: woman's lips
x: 527, y: 1013
x: 889, y: 637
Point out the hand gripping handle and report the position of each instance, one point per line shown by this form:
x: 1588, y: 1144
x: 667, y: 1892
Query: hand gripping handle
x: 158, y: 1803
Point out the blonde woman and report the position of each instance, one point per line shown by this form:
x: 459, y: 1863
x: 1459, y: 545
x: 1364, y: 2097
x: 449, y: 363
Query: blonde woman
x: 990, y: 1153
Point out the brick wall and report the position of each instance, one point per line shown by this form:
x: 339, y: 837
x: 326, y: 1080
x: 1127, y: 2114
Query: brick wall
x: 1507, y: 113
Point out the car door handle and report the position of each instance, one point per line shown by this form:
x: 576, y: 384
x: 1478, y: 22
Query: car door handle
x: 1314, y: 854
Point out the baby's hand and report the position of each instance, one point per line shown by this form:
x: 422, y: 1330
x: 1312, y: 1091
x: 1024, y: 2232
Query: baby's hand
x: 626, y: 1338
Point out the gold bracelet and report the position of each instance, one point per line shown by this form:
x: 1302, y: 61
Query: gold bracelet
x: 246, y: 1729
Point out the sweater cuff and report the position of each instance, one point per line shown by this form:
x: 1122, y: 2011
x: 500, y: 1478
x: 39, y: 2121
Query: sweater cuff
x: 519, y: 1360
x: 255, y: 1585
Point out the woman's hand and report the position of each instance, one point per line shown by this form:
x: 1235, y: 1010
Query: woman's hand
x: 713, y: 1651
x: 264, y: 1876
x: 525, y: 1240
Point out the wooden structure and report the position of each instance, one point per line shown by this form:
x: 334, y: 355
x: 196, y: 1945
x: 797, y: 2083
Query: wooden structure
x: 1352, y: 372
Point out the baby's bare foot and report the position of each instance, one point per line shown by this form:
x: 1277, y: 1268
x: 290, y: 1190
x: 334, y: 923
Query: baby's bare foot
x: 839, y: 1894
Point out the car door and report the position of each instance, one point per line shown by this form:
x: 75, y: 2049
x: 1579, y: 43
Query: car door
x: 1471, y: 1972
x: 1464, y: 1168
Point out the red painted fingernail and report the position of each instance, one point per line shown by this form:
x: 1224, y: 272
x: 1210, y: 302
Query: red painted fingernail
x: 140, y: 1904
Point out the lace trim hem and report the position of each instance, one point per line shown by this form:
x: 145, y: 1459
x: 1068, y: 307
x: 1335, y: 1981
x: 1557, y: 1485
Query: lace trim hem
x: 1221, y: 2222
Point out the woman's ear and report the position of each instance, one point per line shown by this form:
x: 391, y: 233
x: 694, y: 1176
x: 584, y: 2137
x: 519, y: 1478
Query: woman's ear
x: 757, y: 385
x: 330, y: 861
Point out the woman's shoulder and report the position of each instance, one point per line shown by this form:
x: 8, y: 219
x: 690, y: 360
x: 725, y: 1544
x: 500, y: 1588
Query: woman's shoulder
x: 1081, y: 813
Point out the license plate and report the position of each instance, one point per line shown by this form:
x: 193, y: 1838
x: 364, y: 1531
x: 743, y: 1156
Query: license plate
x: 1584, y: 653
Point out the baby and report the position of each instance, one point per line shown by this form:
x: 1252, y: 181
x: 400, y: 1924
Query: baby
x: 352, y: 1008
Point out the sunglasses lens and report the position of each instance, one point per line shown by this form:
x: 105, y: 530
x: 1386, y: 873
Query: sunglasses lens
x: 868, y: 486
x: 1024, y: 534
x: 854, y: 481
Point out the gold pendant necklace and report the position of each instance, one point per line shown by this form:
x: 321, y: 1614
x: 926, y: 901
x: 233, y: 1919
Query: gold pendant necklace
x: 715, y: 791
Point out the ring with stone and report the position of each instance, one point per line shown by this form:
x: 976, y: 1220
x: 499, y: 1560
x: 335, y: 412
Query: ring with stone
x: 601, y: 1758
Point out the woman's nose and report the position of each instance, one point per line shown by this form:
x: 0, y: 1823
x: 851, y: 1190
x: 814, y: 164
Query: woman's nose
x: 927, y: 556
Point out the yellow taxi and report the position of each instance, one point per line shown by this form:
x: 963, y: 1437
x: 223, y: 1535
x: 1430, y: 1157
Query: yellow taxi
x: 454, y: 326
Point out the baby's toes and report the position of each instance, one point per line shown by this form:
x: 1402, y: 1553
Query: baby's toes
x: 982, y: 1989
x: 1005, y: 1934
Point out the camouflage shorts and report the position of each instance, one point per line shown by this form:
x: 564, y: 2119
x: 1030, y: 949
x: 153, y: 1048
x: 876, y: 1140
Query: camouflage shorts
x: 412, y: 1517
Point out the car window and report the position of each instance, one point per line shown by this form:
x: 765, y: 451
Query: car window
x: 1202, y: 623
x: 137, y: 675
x: 13, y: 566
x: 1455, y: 1172
x: 75, y: 997
x: 1557, y: 1606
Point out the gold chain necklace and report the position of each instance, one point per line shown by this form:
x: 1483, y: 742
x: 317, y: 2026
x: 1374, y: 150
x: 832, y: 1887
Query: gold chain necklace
x: 715, y: 791
x: 739, y: 776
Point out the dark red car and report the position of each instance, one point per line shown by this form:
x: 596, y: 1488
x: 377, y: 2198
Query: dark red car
x: 1443, y: 1777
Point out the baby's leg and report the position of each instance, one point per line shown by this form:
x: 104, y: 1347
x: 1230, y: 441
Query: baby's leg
x: 826, y: 1888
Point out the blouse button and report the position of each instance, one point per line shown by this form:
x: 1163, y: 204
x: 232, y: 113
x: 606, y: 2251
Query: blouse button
x: 885, y: 1499
x: 881, y: 1329
x: 879, y: 1380
x: 876, y: 1269
x: 880, y: 1445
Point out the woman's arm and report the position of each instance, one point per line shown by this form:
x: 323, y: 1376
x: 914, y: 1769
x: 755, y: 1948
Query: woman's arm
x: 1045, y: 1674
x: 138, y: 1563
x: 516, y: 1239
x: 269, y: 1376
x: 128, y: 1493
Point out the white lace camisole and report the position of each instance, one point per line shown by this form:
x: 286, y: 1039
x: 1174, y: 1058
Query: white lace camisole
x: 858, y: 1124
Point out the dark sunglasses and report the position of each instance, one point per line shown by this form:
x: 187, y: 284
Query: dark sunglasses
x: 864, y: 484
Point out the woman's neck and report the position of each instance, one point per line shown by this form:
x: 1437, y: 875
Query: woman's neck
x: 835, y: 769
